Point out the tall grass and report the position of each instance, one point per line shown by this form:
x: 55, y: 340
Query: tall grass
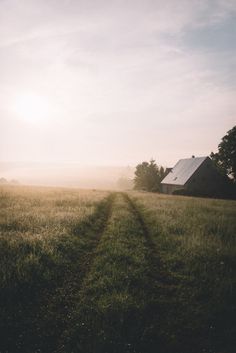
x: 196, y: 242
x: 90, y: 271
x: 41, y: 245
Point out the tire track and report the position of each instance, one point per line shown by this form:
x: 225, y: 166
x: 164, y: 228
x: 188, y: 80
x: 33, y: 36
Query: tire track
x: 134, y: 209
x: 108, y: 302
x: 159, y: 273
x: 56, y: 305
x: 120, y: 293
x: 167, y: 300
x: 95, y: 226
x: 138, y: 215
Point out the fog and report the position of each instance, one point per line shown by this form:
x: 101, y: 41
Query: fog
x: 68, y: 175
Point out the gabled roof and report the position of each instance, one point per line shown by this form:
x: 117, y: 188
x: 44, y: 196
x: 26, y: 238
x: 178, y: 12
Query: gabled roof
x: 183, y: 170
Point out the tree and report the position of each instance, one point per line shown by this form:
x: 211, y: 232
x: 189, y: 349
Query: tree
x: 225, y: 158
x: 148, y: 176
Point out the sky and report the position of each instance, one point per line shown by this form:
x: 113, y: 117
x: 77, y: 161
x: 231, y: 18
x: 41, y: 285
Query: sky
x: 115, y: 82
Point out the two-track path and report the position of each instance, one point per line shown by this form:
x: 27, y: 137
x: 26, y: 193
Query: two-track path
x: 110, y: 295
x: 115, y: 308
x: 113, y: 291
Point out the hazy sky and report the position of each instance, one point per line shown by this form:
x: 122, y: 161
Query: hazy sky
x: 115, y: 82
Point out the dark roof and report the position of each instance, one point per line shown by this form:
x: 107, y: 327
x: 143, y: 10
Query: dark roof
x: 183, y: 170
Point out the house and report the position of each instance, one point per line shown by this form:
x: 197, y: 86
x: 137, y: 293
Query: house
x: 196, y: 175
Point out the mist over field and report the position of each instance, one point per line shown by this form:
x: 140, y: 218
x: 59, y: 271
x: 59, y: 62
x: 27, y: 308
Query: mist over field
x: 67, y: 174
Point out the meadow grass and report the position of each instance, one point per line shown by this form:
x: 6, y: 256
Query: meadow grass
x: 195, y: 241
x: 100, y: 272
x: 46, y: 235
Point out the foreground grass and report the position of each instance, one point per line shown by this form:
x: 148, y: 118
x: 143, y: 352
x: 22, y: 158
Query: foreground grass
x: 96, y: 272
x: 195, y: 241
x: 46, y: 236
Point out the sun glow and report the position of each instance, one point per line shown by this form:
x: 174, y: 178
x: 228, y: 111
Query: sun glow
x: 32, y: 108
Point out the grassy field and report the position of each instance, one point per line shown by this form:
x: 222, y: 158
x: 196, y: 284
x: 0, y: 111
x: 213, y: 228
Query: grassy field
x: 93, y: 271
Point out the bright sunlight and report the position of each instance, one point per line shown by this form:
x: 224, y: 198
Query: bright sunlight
x: 32, y: 108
